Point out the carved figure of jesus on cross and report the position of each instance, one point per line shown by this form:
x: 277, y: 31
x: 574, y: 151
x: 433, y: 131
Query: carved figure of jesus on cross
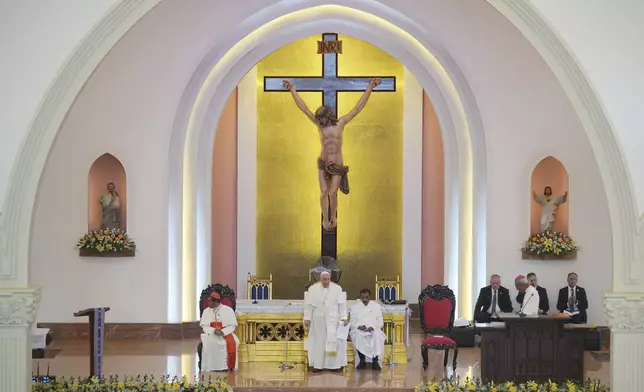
x: 332, y: 171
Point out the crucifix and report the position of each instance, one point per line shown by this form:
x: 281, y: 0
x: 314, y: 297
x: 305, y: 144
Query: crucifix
x: 329, y: 84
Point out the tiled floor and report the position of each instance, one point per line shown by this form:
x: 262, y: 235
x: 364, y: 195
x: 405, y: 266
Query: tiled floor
x: 179, y: 358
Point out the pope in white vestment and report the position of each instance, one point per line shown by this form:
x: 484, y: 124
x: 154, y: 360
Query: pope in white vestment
x: 325, y: 309
x: 366, y: 331
x: 530, y: 304
x: 220, y: 344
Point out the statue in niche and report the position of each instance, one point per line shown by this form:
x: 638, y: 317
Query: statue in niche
x: 549, y: 206
x: 110, y: 208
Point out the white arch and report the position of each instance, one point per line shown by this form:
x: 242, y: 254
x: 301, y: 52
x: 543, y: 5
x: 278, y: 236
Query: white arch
x: 228, y: 71
x: 30, y: 161
x: 620, y: 191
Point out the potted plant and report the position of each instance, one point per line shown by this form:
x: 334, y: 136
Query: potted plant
x: 549, y: 245
x: 106, y: 243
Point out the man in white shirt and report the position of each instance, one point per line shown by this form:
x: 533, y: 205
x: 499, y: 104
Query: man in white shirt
x: 325, y: 309
x: 530, y: 304
x: 218, y: 322
x: 366, y: 330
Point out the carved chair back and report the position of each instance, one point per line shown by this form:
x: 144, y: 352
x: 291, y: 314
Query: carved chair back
x: 437, y: 305
x: 227, y: 296
x: 259, y: 288
x: 388, y: 289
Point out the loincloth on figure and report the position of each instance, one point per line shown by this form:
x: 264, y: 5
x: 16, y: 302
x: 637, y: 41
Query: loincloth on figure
x: 333, y: 169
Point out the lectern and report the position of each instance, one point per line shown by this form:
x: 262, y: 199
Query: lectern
x: 531, y: 348
x: 96, y: 335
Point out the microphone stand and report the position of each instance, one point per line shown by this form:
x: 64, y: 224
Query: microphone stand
x: 286, y: 364
x: 392, y: 361
x: 521, y: 314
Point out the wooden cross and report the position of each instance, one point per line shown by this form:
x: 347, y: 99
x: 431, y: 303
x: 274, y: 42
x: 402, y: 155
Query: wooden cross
x: 329, y: 84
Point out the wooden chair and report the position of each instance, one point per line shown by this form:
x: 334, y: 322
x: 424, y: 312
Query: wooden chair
x: 388, y: 289
x: 259, y: 288
x: 227, y: 298
x: 437, y: 305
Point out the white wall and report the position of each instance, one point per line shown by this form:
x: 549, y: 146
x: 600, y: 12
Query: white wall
x: 606, y: 37
x: 128, y: 109
x: 36, y: 37
x: 527, y: 117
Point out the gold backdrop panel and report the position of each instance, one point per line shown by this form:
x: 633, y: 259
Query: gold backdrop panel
x: 370, y: 217
x: 288, y: 205
x: 288, y: 197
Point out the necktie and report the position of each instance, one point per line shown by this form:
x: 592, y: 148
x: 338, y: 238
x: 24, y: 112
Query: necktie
x: 494, y: 299
x: 572, y: 300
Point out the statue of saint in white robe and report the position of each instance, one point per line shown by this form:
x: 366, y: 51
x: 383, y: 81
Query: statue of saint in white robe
x: 549, y: 206
x: 219, y: 353
x: 370, y: 344
x: 530, y: 305
x: 325, y: 309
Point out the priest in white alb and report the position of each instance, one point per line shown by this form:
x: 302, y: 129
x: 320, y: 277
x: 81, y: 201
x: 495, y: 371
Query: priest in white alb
x: 325, y: 310
x: 218, y: 322
x: 530, y: 304
x: 366, y: 330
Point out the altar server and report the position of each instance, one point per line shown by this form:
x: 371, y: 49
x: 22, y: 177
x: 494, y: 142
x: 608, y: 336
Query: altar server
x: 219, y: 342
x: 366, y: 330
x: 530, y: 304
x: 325, y: 309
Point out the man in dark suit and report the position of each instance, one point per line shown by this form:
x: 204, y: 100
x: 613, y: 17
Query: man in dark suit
x: 544, y: 302
x: 573, y: 299
x: 493, y: 299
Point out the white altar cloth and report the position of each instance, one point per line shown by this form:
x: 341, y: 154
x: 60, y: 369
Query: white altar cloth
x: 284, y: 306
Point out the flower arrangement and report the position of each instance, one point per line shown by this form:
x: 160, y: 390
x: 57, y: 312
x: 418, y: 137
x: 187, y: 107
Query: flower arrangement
x: 106, y: 240
x: 476, y: 385
x: 550, y: 243
x: 132, y: 384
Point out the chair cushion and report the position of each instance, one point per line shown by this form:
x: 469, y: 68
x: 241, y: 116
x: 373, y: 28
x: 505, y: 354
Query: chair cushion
x: 438, y: 340
x: 437, y: 313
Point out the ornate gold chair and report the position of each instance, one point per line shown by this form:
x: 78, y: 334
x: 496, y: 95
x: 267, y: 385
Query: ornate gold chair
x: 388, y: 289
x: 259, y: 288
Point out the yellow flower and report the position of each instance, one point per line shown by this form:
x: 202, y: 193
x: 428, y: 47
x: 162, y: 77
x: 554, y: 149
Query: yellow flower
x: 433, y: 387
x: 512, y: 389
x: 471, y: 387
x: 553, y: 387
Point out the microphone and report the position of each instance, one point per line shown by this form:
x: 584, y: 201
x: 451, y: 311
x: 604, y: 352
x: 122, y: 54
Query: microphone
x: 521, y: 314
x: 286, y: 365
x: 392, y: 361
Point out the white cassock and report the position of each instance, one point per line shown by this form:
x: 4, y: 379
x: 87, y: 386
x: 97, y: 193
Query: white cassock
x: 530, y: 305
x: 214, y: 355
x: 370, y: 344
x: 325, y: 308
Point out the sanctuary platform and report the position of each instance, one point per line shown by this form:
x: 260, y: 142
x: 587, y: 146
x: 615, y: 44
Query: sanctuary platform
x: 266, y: 328
x: 178, y: 357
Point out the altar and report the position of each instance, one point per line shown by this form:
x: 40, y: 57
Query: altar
x: 268, y: 328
